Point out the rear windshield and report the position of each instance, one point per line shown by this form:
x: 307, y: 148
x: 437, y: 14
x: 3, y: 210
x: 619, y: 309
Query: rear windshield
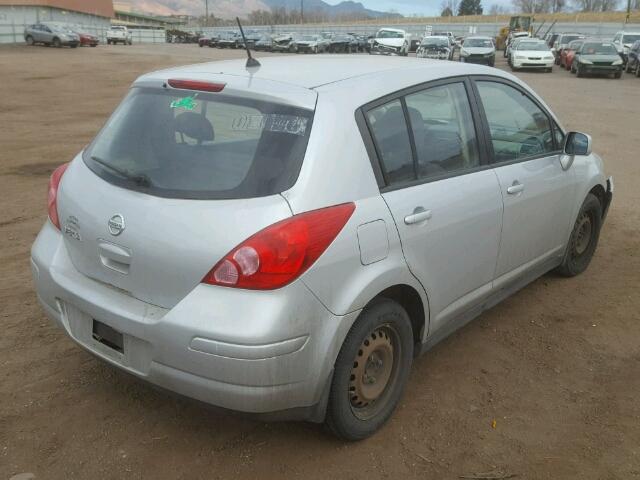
x: 181, y: 144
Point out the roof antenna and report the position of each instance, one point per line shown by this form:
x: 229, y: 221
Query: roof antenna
x: 251, y: 62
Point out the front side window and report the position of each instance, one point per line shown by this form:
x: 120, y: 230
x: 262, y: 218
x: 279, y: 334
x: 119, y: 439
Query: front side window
x: 443, y: 131
x: 518, y: 127
x: 181, y: 144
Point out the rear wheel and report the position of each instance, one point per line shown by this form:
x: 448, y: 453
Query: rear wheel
x: 371, y: 371
x: 584, y: 238
x: 29, y: 40
x: 56, y: 42
x: 638, y: 69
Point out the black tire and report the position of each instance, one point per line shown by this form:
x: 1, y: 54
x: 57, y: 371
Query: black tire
x: 73, y: 46
x: 30, y: 41
x: 627, y: 67
x: 385, y: 322
x: 579, y: 72
x: 56, y: 42
x: 617, y: 75
x: 638, y: 69
x: 584, y: 238
x: 573, y: 67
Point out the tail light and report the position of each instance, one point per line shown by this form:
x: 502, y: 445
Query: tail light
x: 52, y: 198
x: 280, y: 253
x: 197, y: 85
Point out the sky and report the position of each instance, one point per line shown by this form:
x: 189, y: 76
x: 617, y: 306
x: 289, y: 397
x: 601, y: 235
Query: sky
x: 409, y: 7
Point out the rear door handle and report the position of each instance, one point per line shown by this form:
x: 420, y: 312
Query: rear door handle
x: 419, y: 215
x: 515, y: 188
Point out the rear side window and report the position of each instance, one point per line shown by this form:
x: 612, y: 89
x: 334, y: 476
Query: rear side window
x: 391, y: 136
x: 180, y: 144
x: 519, y: 128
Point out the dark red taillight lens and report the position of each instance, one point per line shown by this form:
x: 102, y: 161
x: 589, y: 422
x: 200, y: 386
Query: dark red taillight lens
x: 280, y: 253
x: 197, y: 85
x: 52, y: 197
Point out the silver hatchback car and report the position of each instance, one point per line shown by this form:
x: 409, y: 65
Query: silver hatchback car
x: 284, y: 240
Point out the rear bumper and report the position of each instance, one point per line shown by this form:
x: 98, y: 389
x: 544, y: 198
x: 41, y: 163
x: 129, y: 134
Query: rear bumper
x: 255, y: 352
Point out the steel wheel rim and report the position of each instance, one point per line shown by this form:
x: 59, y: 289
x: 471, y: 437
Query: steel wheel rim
x: 583, y: 235
x: 374, y: 372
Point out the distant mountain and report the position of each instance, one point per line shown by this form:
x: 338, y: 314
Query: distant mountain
x: 233, y: 8
x: 344, y: 9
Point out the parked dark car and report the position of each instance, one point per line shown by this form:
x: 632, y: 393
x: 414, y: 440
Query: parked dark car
x: 360, y: 42
x: 340, y: 43
x: 229, y: 40
x: 264, y: 43
x: 633, y: 59
x: 597, y: 57
x: 51, y: 34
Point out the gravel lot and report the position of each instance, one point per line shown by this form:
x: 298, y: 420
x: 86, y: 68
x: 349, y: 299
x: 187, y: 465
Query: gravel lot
x: 557, y: 366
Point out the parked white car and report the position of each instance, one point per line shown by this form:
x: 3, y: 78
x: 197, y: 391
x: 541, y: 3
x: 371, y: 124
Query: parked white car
x: 623, y: 41
x: 285, y: 239
x: 391, y: 41
x: 478, y: 49
x: 119, y: 34
x: 532, y: 53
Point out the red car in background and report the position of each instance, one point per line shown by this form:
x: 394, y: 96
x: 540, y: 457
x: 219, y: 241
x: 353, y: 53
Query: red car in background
x: 86, y: 38
x: 568, y: 53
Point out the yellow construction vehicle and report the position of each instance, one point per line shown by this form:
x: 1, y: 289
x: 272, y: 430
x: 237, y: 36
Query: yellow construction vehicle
x: 516, y: 24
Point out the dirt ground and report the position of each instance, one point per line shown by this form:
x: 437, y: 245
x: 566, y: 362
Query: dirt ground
x: 557, y: 366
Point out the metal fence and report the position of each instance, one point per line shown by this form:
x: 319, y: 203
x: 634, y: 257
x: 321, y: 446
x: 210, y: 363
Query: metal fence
x: 599, y: 30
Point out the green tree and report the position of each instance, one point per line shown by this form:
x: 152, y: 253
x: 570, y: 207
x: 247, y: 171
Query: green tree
x: 446, y: 12
x: 470, y: 7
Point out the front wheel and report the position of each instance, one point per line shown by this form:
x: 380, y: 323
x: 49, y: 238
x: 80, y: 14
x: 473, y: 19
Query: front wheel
x: 371, y: 371
x: 579, y: 72
x: 617, y: 75
x: 638, y: 68
x: 584, y: 238
x: 29, y: 40
x: 57, y: 43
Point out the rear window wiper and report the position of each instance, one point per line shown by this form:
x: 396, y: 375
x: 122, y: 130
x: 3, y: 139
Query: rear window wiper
x: 140, y: 179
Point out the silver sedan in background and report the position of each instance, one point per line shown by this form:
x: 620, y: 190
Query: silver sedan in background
x: 284, y: 241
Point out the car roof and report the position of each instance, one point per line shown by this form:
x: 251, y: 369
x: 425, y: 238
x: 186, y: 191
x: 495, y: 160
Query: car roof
x: 478, y: 37
x: 306, y: 72
x: 339, y: 78
x: 391, y: 29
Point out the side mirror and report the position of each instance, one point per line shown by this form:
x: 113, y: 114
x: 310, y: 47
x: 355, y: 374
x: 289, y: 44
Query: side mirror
x: 575, y: 143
